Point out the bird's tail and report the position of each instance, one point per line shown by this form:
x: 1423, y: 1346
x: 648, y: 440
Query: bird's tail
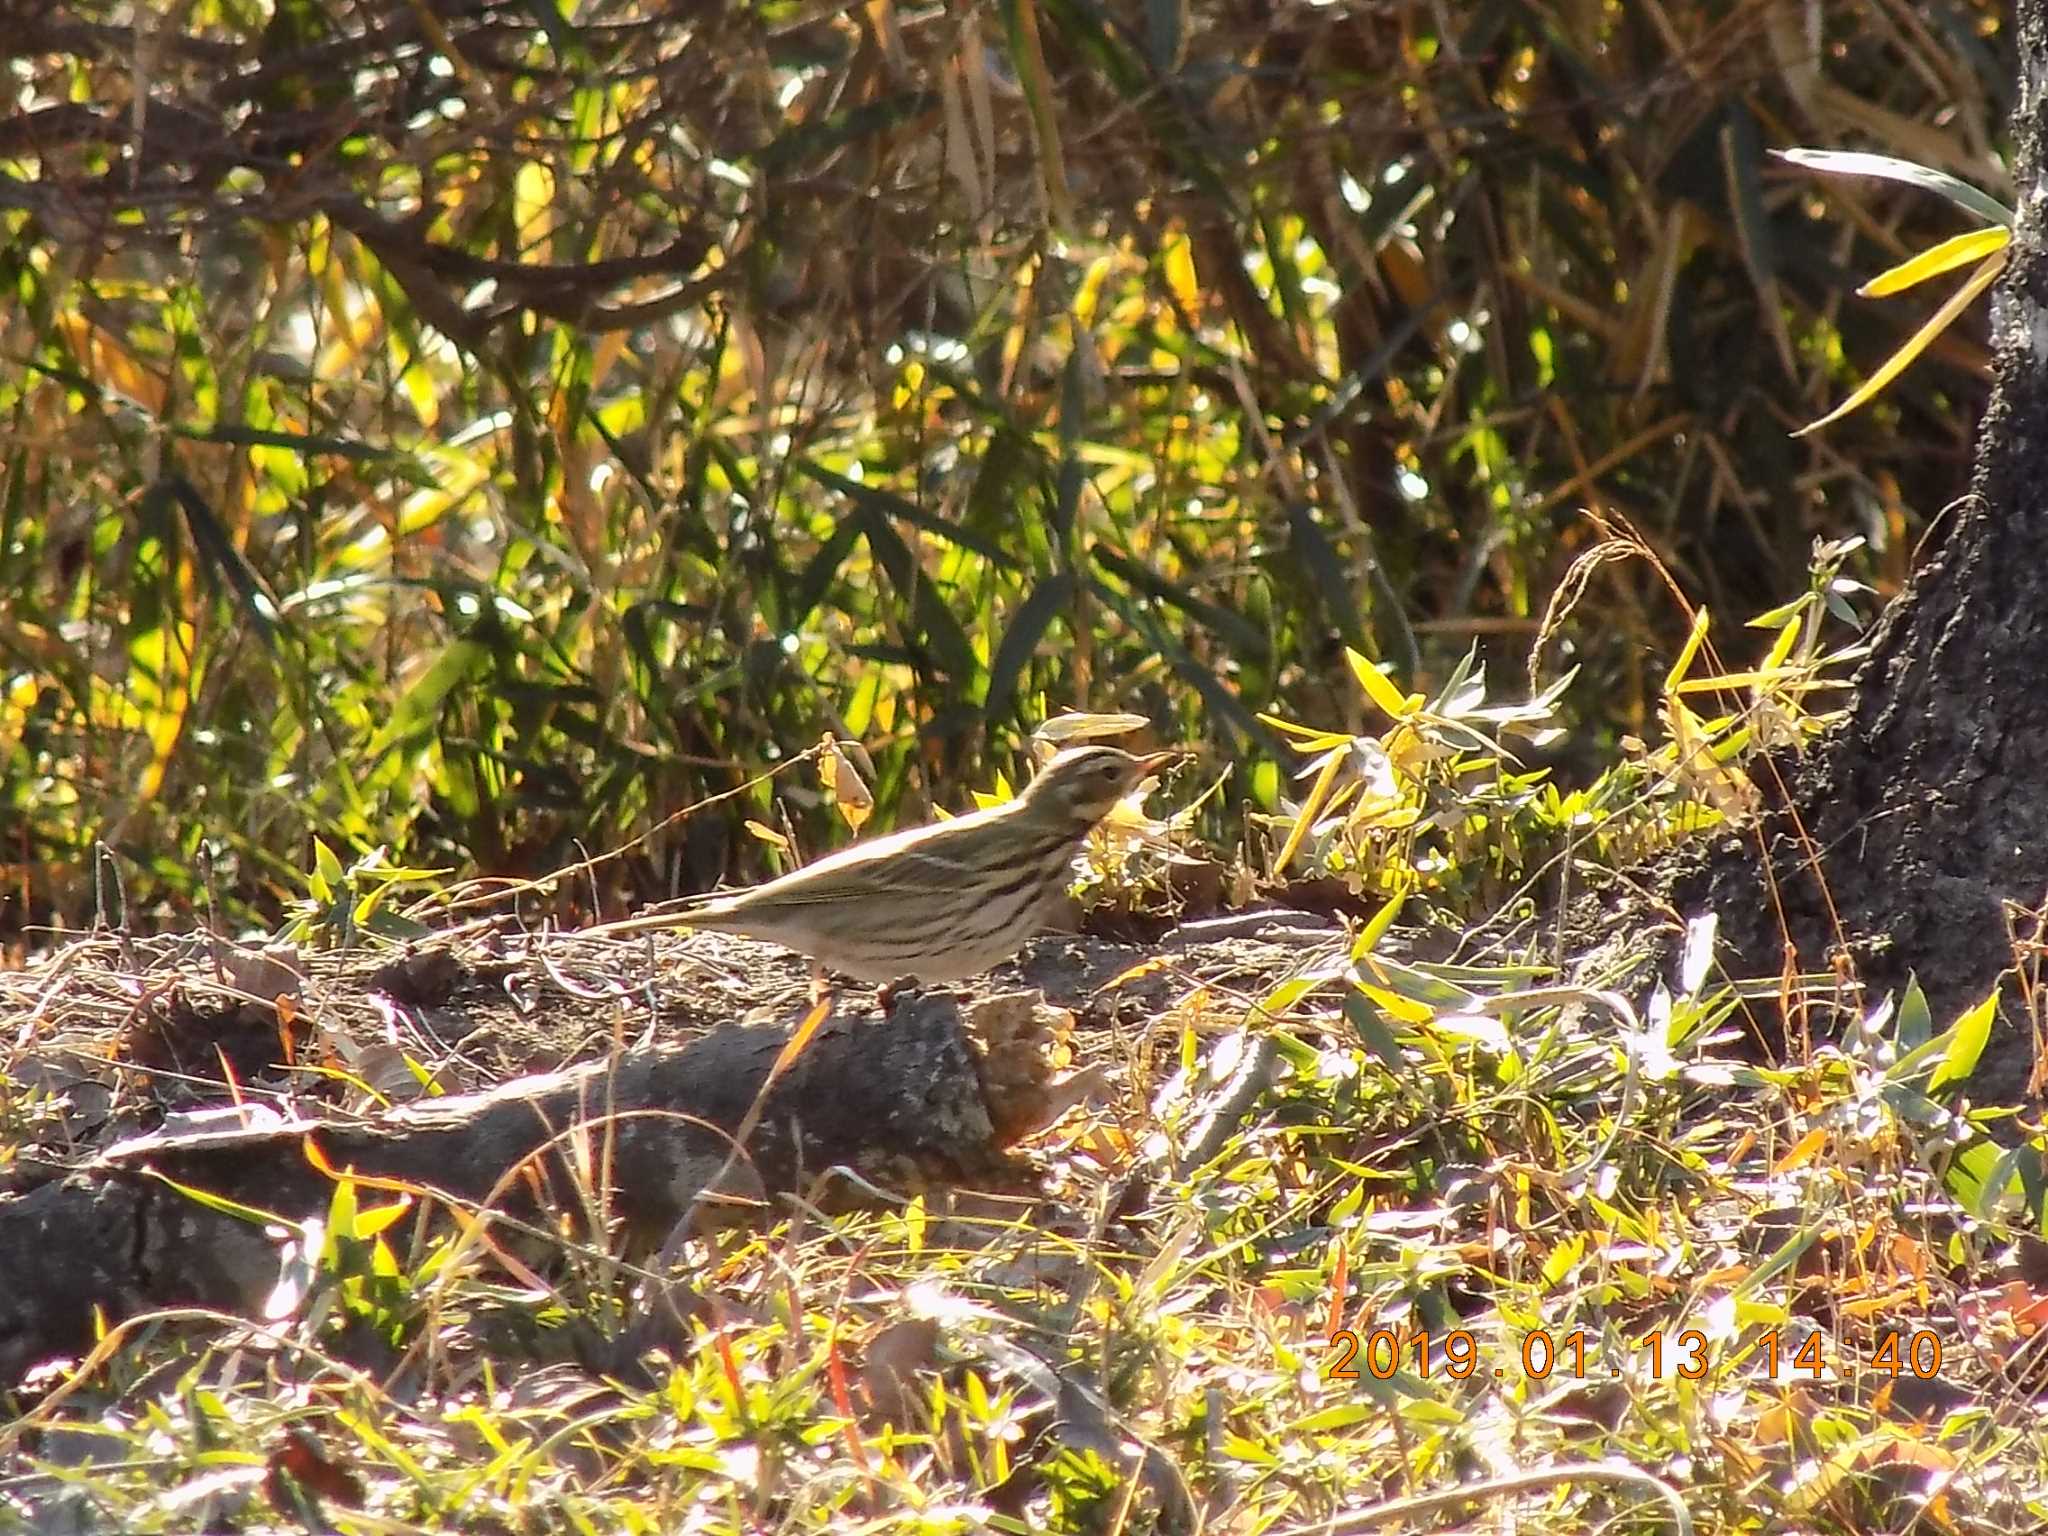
x: 705, y: 911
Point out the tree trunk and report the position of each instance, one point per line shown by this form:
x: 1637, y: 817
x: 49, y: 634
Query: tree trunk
x: 910, y: 1096
x: 1928, y: 807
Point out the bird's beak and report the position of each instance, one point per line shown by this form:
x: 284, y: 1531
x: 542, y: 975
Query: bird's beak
x: 1158, y: 760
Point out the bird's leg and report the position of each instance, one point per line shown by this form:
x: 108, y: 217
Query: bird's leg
x: 821, y: 990
x: 888, y: 992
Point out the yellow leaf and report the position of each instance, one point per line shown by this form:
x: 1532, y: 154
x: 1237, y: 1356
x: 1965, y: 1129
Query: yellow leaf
x: 799, y: 1039
x: 1774, y: 1426
x: 1917, y: 343
x: 1405, y: 1009
x: 1410, y: 751
x: 1730, y: 681
x: 378, y: 1217
x: 1369, y: 937
x: 1802, y: 1151
x: 1312, y: 740
x: 1088, y: 293
x: 843, y: 782
x: 1956, y: 251
x: 768, y: 835
x: 1137, y: 972
x: 1177, y: 256
x: 609, y: 348
x: 1888, y: 1302
x: 108, y: 363
x: 1698, y: 767
x: 458, y: 475
x: 1310, y: 808
x: 166, y: 725
x: 1686, y: 654
x: 533, y: 199
x: 167, y: 653
x: 1380, y: 689
x: 1782, y: 646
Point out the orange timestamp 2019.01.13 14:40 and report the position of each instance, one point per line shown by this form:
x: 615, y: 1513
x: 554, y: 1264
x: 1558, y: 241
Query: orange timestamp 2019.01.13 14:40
x: 1380, y: 1353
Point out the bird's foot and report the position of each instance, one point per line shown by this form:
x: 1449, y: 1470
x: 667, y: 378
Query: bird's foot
x: 888, y: 992
x: 821, y: 989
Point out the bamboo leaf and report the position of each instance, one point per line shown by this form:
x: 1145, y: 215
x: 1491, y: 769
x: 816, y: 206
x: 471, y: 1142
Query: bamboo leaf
x: 1027, y: 54
x: 930, y: 619
x: 1917, y: 343
x: 1177, y: 260
x: 1971, y: 1034
x: 819, y: 572
x: 222, y: 559
x: 298, y: 442
x: 888, y: 504
x: 1223, y: 702
x: 1380, y: 688
x: 419, y: 709
x: 1842, y: 162
x: 1956, y: 251
x: 1694, y: 639
x: 1319, y: 559
x: 1050, y: 598
x: 1311, y: 808
x: 1247, y: 642
x: 809, y: 142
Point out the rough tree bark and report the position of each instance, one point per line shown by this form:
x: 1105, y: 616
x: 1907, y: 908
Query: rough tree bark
x: 907, y: 1098
x: 1929, y: 805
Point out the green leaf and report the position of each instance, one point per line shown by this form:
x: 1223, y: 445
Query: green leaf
x: 1742, y: 154
x: 1406, y: 981
x: 888, y: 504
x: 1005, y: 484
x: 242, y: 436
x: 1027, y: 58
x: 1842, y: 162
x: 255, y: 1215
x: 2005, y: 1178
x: 812, y: 141
x: 1966, y: 1043
x: 1916, y: 1020
x: 1784, y: 1258
x: 221, y: 558
x: 1376, y: 929
x: 637, y: 624
x: 420, y: 709
x: 1165, y: 26
x: 1048, y: 600
x: 1222, y: 701
x: 1978, y: 1176
x: 1245, y: 639
x: 930, y: 618
x: 1333, y: 585
x: 819, y: 572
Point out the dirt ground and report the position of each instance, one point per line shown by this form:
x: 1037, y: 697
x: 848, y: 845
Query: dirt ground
x: 108, y: 1036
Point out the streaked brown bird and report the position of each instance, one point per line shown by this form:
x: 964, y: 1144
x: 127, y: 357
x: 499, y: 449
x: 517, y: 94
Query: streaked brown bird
x: 936, y: 903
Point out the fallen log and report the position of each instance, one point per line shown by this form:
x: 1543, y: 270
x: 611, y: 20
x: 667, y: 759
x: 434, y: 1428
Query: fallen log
x: 917, y: 1097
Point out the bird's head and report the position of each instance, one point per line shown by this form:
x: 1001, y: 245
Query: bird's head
x: 1083, y: 784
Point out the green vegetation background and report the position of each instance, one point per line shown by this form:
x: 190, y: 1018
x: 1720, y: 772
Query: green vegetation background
x: 480, y: 446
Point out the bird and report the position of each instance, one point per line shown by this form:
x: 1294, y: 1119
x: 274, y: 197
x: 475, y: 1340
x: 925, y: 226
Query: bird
x: 937, y: 903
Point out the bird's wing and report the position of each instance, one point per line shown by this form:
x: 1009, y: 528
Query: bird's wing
x: 950, y: 853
